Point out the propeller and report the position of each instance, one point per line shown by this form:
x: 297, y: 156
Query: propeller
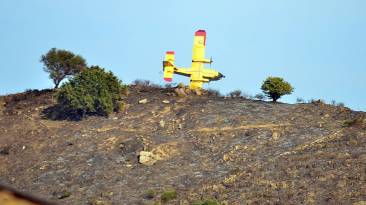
x: 211, y: 61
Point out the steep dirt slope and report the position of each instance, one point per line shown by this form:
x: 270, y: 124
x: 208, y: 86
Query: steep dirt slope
x: 234, y: 150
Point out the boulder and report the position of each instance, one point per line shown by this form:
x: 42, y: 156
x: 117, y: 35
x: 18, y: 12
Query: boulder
x: 147, y: 158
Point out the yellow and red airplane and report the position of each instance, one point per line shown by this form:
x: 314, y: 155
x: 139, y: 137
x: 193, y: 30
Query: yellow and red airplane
x: 197, y: 72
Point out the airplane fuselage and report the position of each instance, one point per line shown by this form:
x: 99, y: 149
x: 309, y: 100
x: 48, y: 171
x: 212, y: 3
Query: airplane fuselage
x: 197, y: 72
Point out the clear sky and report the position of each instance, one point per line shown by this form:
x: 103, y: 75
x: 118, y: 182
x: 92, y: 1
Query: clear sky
x: 319, y: 46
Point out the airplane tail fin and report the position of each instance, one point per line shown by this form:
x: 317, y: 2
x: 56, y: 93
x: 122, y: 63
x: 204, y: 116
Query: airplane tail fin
x: 168, y: 66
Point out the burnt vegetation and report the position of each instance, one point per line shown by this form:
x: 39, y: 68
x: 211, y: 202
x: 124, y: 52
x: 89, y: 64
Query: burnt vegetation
x: 211, y: 150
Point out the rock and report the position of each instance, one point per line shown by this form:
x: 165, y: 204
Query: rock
x: 161, y: 152
x: 180, y: 92
x: 275, y: 135
x: 198, y: 92
x: 166, y: 101
x: 62, y: 194
x: 143, y: 101
x: 147, y: 158
x: 180, y: 126
x: 162, y: 123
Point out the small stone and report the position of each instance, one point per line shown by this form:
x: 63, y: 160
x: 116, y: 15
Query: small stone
x: 63, y: 194
x: 275, y: 135
x: 162, y: 123
x: 143, y: 101
x: 180, y: 126
x: 166, y: 101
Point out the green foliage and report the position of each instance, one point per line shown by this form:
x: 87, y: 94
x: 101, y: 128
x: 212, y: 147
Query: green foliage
x: 354, y: 121
x: 168, y: 195
x: 150, y: 194
x: 275, y: 87
x: 207, y: 202
x: 93, y: 91
x: 61, y: 64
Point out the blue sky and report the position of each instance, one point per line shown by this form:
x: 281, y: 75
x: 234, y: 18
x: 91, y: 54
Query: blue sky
x: 318, y: 46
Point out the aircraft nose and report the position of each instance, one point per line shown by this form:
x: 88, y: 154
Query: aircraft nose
x: 221, y: 75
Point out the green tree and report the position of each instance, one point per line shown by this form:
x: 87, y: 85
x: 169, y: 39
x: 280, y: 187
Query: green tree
x: 93, y: 91
x: 275, y: 87
x: 61, y: 64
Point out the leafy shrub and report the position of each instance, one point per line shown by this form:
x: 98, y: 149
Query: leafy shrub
x: 94, y: 91
x: 169, y: 85
x: 300, y: 100
x: 168, y: 195
x: 141, y: 82
x: 150, y: 194
x: 235, y: 94
x: 260, y: 96
x: 207, y: 202
x: 340, y: 104
x: 354, y: 121
x: 61, y: 64
x: 213, y: 92
x: 145, y: 84
x: 275, y: 87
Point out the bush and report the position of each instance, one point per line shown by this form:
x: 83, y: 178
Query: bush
x: 150, y: 194
x: 169, y: 85
x: 300, y: 100
x: 354, y: 121
x: 235, y: 94
x: 260, y: 96
x: 168, y: 195
x: 317, y: 102
x: 213, y: 92
x: 275, y: 87
x: 141, y: 82
x: 94, y: 91
x: 340, y: 104
x: 61, y: 64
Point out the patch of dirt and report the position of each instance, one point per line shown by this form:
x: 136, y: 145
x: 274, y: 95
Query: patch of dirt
x: 234, y: 150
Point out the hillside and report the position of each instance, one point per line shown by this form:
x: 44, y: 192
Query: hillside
x: 234, y: 150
